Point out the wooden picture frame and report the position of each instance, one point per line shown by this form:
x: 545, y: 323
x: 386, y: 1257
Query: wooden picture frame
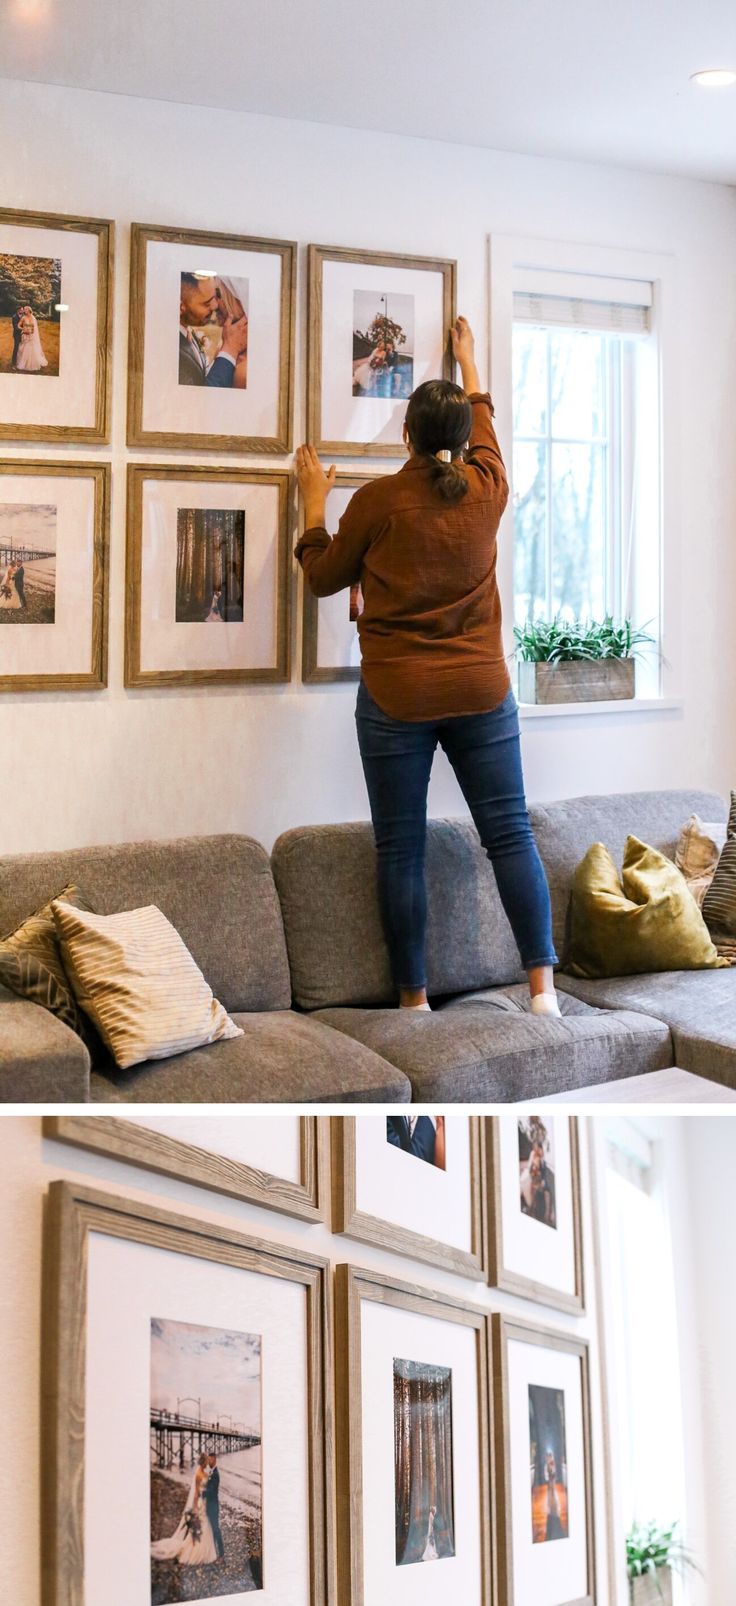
x: 97, y: 431
x: 314, y: 673
x: 74, y: 1213
x: 318, y: 256
x: 138, y: 1145
x: 506, y: 1328
x: 354, y: 1286
x: 143, y: 234
x: 95, y: 677
x: 503, y: 1276
x: 349, y: 1219
x: 275, y: 674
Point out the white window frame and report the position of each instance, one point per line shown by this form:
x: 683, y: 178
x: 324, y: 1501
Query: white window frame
x: 507, y: 255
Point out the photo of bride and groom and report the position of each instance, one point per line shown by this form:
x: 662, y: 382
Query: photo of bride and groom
x: 213, y: 331
x: 206, y: 1498
x: 30, y: 309
x: 27, y: 563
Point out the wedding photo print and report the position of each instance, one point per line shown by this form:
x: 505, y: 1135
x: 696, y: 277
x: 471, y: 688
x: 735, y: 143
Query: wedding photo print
x: 548, y: 1463
x: 206, y: 1463
x: 425, y: 1518
x: 420, y: 1135
x: 27, y: 563
x: 30, y: 314
x: 383, y: 344
x: 210, y: 561
x: 213, y: 331
x: 537, y: 1170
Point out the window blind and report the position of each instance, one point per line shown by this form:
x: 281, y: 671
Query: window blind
x: 583, y: 301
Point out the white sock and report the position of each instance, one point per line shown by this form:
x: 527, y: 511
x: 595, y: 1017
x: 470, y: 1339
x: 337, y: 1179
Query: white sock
x: 545, y: 1004
x: 415, y: 1006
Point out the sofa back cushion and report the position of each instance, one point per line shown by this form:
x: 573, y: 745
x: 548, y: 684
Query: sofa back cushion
x: 564, y: 832
x: 326, y: 879
x: 217, y: 891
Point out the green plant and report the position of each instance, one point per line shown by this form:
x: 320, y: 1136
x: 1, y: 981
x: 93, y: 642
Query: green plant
x: 651, y: 1546
x: 559, y: 642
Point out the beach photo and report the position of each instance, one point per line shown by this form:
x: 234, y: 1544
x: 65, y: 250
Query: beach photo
x: 537, y: 1170
x: 206, y: 1463
x: 213, y: 331
x: 383, y: 344
x: 547, y: 1464
x: 210, y: 560
x: 30, y: 314
x: 425, y: 1513
x: 422, y: 1136
x: 27, y: 563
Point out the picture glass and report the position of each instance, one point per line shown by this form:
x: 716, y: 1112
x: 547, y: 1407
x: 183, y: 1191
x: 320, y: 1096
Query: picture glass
x: 206, y: 1476
x: 537, y: 1200
x: 425, y: 1517
x: 422, y: 1136
x: 48, y: 326
x: 382, y: 334
x: 537, y: 1170
x: 212, y: 344
x: 210, y: 565
x: 47, y: 543
x: 415, y: 1172
x: 548, y: 1464
x: 546, y: 1448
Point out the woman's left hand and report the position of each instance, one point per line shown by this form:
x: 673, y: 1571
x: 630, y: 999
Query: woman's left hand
x: 314, y: 483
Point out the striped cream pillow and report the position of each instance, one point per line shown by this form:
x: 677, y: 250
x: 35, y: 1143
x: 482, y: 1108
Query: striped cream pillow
x: 136, y: 979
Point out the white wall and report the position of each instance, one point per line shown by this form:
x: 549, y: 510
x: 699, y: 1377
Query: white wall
x: 122, y: 765
x: 28, y: 1163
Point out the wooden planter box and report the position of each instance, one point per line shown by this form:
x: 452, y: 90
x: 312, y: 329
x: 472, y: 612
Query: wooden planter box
x: 585, y: 681
x: 646, y: 1591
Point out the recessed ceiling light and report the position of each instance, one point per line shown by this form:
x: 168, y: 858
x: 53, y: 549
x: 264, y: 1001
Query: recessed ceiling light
x: 714, y: 77
x: 205, y: 273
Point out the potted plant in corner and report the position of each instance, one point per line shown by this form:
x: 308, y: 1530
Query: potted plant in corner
x: 653, y: 1553
x: 575, y: 663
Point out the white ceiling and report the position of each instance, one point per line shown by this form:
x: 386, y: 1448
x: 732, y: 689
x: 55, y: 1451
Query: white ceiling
x: 602, y: 82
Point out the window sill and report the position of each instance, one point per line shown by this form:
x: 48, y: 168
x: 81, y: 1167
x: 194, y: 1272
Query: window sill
x: 623, y: 705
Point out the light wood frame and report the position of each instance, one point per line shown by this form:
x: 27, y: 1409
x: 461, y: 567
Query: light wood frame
x: 505, y: 1328
x: 99, y: 432
x: 317, y: 256
x: 349, y: 1219
x: 353, y: 1285
x: 95, y: 678
x: 133, y: 1144
x: 276, y: 674
x: 502, y: 1276
x: 72, y: 1213
x: 312, y: 673
x: 141, y: 234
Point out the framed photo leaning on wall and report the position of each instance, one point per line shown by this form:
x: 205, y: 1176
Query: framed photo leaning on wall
x: 278, y: 1162
x: 54, y: 551
x: 412, y: 1184
x: 186, y: 1407
x: 378, y: 327
x: 535, y: 1245
x: 330, y: 646
x: 208, y: 576
x: 211, y: 340
x: 413, y: 1487
x: 56, y: 281
x: 545, y: 1533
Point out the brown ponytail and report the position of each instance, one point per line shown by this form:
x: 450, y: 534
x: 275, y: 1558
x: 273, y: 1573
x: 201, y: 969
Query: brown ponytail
x: 449, y: 480
x: 438, y: 419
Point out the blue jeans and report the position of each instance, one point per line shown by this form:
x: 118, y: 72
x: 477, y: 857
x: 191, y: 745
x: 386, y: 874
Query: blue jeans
x: 485, y: 753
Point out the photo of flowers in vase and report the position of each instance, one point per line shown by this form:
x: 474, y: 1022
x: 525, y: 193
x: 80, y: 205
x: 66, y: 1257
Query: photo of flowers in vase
x: 383, y: 344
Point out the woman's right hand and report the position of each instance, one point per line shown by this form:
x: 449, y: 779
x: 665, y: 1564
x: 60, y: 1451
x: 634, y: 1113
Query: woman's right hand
x: 463, y: 341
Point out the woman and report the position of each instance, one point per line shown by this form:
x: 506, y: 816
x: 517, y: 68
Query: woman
x: 229, y: 305
x: 9, y: 595
x: 423, y: 545
x: 193, y: 1543
x: 430, y: 1549
x: 555, y: 1529
x: 31, y: 358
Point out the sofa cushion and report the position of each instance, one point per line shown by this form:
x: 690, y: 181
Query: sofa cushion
x: 217, y: 891
x: 281, y: 1057
x: 698, y: 1006
x: 42, y: 1061
x: 564, y: 832
x: 326, y: 878
x: 488, y: 1048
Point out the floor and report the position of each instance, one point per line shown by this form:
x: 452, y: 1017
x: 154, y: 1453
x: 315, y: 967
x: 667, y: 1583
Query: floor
x: 658, y: 1087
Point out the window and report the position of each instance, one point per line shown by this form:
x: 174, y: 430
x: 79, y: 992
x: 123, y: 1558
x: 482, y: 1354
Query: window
x: 585, y: 452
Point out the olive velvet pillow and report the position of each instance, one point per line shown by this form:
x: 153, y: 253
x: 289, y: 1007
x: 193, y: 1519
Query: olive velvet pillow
x: 31, y: 966
x: 647, y: 920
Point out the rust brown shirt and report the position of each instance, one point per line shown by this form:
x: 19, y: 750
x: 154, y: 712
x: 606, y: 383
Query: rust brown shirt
x: 430, y: 631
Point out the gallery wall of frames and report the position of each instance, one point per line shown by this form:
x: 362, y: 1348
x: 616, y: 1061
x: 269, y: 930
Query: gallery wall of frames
x: 315, y: 1360
x: 211, y: 365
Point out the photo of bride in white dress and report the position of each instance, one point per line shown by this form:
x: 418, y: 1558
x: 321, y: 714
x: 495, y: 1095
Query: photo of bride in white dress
x: 31, y: 308
x: 31, y: 357
x: 193, y: 1542
x: 27, y: 563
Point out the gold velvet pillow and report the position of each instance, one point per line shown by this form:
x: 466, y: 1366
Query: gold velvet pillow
x: 650, y: 922
x: 31, y: 966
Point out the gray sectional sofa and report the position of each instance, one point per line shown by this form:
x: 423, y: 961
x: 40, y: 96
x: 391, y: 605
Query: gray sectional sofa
x: 293, y: 948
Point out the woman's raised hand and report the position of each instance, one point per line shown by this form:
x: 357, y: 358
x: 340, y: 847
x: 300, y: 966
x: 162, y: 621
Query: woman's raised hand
x: 315, y: 484
x: 463, y: 347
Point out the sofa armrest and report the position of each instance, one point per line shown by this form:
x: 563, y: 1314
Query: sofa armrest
x: 41, y: 1060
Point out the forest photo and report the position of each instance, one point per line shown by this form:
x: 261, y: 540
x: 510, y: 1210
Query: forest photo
x: 425, y: 1515
x: 210, y: 564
